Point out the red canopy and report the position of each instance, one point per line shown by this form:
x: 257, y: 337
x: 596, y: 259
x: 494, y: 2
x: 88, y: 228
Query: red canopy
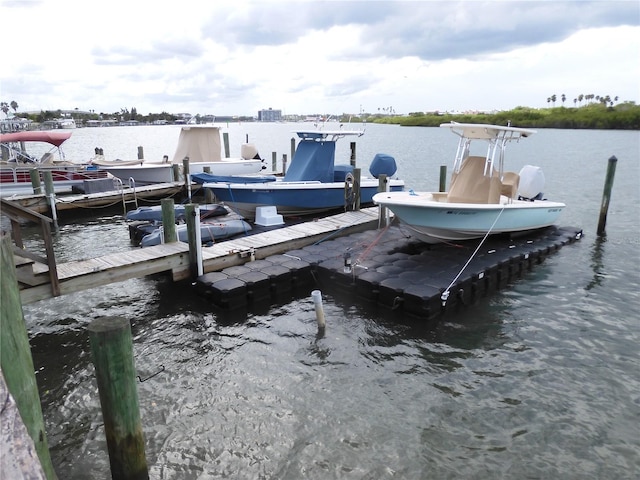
x: 54, y: 138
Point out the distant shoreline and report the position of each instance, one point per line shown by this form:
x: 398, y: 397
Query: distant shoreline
x: 625, y: 116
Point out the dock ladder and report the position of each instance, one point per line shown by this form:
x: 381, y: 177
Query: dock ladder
x: 132, y: 188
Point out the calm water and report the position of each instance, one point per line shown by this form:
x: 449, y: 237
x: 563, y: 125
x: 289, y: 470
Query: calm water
x: 539, y: 381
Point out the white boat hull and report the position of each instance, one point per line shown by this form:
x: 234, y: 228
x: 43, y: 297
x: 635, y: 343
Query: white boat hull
x: 436, y: 221
x: 150, y: 173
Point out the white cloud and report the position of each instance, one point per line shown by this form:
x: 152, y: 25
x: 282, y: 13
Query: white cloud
x: 315, y: 57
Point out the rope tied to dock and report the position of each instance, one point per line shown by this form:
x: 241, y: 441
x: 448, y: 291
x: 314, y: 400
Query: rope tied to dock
x: 445, y: 295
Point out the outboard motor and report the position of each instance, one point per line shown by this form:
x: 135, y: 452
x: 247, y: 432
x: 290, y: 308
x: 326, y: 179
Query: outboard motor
x: 382, y: 164
x: 248, y: 151
x: 531, y: 183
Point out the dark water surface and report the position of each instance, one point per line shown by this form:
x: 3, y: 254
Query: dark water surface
x: 540, y: 380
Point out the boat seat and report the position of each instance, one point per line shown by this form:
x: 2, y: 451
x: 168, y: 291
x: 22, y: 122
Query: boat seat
x: 470, y: 185
x: 47, y: 158
x: 440, y: 196
x: 510, y: 183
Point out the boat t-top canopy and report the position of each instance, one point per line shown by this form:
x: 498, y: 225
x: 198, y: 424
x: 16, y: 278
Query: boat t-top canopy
x: 330, y: 135
x: 54, y: 138
x: 496, y: 135
x: 482, y: 131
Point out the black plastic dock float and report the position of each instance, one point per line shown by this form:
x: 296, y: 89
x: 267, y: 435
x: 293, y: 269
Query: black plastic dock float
x: 388, y: 268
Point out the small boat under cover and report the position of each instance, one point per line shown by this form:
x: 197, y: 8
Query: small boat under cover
x: 201, y: 144
x: 210, y: 231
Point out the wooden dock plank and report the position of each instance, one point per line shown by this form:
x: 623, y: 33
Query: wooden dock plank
x: 174, y: 257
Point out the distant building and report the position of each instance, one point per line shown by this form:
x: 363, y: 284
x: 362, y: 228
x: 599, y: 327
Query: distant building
x: 270, y: 115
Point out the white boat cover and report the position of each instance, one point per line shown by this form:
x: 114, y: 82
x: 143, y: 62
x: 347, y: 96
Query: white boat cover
x: 199, y: 143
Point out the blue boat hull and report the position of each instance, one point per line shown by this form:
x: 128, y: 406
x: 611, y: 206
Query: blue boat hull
x: 293, y: 198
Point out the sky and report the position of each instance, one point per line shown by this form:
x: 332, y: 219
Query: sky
x: 237, y: 57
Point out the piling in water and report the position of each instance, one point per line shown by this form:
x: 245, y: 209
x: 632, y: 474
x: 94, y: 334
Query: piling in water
x: 34, y: 173
x: 443, y: 178
x: 112, y: 354
x: 51, y: 196
x: 316, y: 295
x: 169, y: 220
x: 608, y: 184
x: 16, y: 360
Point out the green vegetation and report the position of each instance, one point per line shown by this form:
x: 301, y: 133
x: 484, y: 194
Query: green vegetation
x: 624, y: 116
x: 601, y: 114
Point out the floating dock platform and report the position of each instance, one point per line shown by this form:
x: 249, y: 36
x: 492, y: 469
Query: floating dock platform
x: 388, y: 268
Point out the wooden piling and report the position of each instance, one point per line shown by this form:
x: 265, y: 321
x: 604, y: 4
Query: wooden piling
x: 112, y: 354
x: 356, y: 188
x: 225, y: 137
x: 176, y: 172
x: 51, y: 196
x: 293, y: 147
x: 208, y: 194
x: 274, y: 162
x: 383, y: 214
x: 352, y: 159
x: 34, y: 173
x: 169, y: 220
x: 16, y: 361
x: 192, y: 228
x: 284, y: 164
x: 187, y: 176
x: 443, y: 178
x: 140, y: 153
x: 48, y: 185
x: 606, y: 195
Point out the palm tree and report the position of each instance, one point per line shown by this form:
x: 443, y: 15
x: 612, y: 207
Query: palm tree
x: 4, y: 106
x: 563, y: 97
x: 553, y: 99
x: 580, y: 98
x: 14, y: 106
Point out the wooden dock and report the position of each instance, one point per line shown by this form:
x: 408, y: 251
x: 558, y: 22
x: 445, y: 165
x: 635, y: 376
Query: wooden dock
x: 34, y: 278
x: 38, y: 203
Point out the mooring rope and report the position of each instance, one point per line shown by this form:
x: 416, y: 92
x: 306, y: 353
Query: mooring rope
x: 445, y: 294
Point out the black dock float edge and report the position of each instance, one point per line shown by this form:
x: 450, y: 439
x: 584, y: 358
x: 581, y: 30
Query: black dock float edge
x: 393, y: 271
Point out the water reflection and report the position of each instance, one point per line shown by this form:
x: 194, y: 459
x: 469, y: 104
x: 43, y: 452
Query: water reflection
x: 597, y: 261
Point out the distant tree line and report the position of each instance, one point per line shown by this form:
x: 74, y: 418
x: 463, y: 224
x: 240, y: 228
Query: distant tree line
x: 623, y: 116
x: 599, y: 112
